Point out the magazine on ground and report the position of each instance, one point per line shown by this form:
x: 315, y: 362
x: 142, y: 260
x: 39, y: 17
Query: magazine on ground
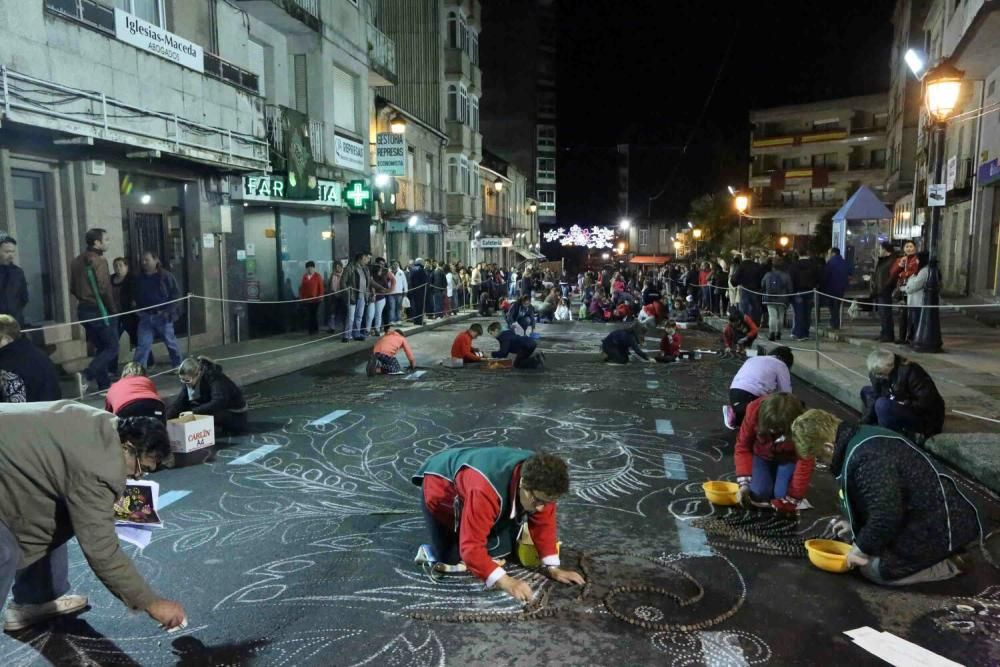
x: 136, y: 512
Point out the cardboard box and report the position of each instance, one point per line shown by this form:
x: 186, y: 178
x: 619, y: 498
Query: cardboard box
x: 189, y: 433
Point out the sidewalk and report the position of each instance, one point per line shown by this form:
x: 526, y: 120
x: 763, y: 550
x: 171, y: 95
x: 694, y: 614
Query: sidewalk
x: 258, y: 360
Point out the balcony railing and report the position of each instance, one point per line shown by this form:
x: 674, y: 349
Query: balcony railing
x: 382, y: 55
x: 40, y: 103
x: 274, y: 117
x: 101, y: 18
x: 287, y: 15
x: 798, y: 139
x: 412, y: 197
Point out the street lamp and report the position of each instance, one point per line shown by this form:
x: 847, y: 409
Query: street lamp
x: 697, y: 235
x: 532, y: 208
x: 498, y: 185
x: 397, y: 125
x: 742, y: 203
x: 942, y: 88
x: 624, y: 224
x: 783, y: 241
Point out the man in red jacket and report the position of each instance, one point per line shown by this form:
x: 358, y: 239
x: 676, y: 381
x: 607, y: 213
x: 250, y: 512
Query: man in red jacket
x: 476, y: 503
x: 768, y: 469
x: 462, y: 347
x: 311, y: 288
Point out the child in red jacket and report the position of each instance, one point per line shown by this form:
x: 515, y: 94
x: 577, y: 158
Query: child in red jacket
x: 670, y: 344
x: 768, y: 469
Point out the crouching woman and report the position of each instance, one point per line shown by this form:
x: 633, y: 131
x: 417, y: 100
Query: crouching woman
x: 907, y: 518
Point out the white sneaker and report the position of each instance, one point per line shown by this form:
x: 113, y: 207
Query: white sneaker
x: 20, y: 616
x: 83, y: 384
x: 729, y: 417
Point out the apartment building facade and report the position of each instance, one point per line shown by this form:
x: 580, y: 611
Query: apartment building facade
x: 508, y: 235
x: 807, y: 159
x: 519, y: 111
x: 440, y: 83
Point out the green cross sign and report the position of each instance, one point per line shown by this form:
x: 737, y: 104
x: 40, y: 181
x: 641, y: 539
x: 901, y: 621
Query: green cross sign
x: 358, y: 195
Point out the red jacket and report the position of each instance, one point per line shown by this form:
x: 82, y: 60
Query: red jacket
x: 128, y: 390
x: 905, y: 268
x: 750, y: 443
x: 729, y: 334
x: 462, y: 348
x: 480, y: 506
x: 311, y: 287
x: 670, y: 345
x: 703, y: 278
x: 656, y: 310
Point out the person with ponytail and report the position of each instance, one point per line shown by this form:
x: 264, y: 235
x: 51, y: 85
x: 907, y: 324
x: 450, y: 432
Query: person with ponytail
x: 63, y: 466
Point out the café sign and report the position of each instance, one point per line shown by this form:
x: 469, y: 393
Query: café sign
x: 493, y: 242
x: 271, y: 188
x: 154, y: 39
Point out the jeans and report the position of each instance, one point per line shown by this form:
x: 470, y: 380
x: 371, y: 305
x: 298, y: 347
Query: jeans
x: 379, y: 310
x: 750, y: 304
x: 369, y: 317
x: 156, y: 324
x: 706, y: 297
x: 884, y: 302
x: 355, y: 318
x: 802, y: 305
x: 891, y: 414
x: 104, y: 337
x: 444, y: 539
x: 775, y: 318
x: 43, y: 581
x: 526, y: 323
x: 740, y: 399
x: 392, y: 304
x: 338, y: 314
x: 437, y: 302
x: 834, y: 305
x: 770, y: 479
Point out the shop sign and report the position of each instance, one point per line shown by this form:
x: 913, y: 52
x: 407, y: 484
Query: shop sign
x: 274, y: 188
x: 492, y: 242
x: 951, y: 174
x: 348, y: 153
x: 358, y: 196
x: 936, y: 194
x: 988, y: 172
x: 418, y: 228
x: 390, y: 154
x: 148, y: 37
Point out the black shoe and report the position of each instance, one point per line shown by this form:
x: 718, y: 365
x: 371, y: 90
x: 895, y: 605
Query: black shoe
x: 370, y: 368
x: 884, y: 339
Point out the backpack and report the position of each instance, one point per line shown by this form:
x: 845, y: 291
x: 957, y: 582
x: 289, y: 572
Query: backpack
x: 774, y: 284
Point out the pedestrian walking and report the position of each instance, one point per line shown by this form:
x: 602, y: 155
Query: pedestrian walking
x: 157, y: 287
x: 13, y: 284
x: 777, y: 285
x: 90, y: 284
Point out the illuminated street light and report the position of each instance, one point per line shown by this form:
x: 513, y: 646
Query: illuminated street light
x: 381, y: 180
x: 413, y: 220
x: 624, y: 224
x: 532, y: 207
x: 915, y: 61
x: 498, y: 185
x: 605, y: 256
x: 783, y: 241
x: 943, y: 86
x: 742, y: 203
x: 690, y: 225
x: 397, y: 125
x: 697, y: 233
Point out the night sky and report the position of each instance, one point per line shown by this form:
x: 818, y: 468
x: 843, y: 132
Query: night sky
x: 639, y: 72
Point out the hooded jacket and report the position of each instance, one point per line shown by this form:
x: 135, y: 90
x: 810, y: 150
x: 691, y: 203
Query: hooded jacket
x: 909, y: 384
x: 214, y: 393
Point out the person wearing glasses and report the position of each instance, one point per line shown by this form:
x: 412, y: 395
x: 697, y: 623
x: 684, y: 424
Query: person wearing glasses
x: 63, y: 465
x: 209, y: 391
x: 476, y: 503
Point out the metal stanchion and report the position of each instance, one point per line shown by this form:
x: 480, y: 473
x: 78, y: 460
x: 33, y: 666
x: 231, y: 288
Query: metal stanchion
x: 188, y: 324
x: 816, y: 322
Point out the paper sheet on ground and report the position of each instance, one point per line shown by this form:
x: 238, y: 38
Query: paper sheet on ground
x: 896, y: 650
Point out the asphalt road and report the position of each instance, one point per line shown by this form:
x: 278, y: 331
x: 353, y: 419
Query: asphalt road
x: 294, y: 546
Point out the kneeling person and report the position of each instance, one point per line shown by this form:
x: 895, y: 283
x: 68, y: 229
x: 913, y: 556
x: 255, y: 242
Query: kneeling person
x: 616, y: 346
x: 477, y: 500
x: 209, y: 391
x: 383, y: 358
x: 758, y: 376
x: 525, y: 347
x: 907, y: 518
x: 462, y: 348
x: 768, y: 469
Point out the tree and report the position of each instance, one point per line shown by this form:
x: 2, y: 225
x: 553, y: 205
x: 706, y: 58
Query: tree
x: 822, y: 235
x: 714, y: 215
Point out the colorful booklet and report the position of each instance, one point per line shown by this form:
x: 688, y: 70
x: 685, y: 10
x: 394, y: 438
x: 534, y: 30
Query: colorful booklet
x: 136, y: 512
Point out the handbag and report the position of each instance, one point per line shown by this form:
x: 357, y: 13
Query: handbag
x: 406, y: 302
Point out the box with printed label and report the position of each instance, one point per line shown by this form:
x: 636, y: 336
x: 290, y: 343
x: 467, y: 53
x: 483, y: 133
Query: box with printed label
x: 189, y: 433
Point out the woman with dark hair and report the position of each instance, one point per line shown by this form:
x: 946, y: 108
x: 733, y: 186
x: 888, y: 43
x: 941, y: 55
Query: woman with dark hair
x: 63, y: 466
x: 913, y: 288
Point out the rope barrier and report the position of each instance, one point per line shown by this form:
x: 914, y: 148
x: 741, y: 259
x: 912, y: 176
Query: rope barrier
x: 109, y: 317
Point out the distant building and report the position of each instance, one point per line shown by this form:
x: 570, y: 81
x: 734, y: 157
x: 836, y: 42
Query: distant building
x: 807, y: 159
x: 508, y: 234
x: 519, y: 95
x: 439, y: 82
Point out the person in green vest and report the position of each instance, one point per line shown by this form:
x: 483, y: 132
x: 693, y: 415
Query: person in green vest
x: 478, y: 500
x: 907, y: 520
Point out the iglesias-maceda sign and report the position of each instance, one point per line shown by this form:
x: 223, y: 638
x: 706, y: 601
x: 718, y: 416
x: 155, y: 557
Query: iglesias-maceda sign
x: 143, y: 35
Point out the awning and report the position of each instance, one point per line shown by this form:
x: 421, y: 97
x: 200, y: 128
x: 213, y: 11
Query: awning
x: 527, y: 254
x: 863, y: 205
x: 649, y: 259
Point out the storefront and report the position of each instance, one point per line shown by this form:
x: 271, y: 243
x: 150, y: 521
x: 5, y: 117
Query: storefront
x: 406, y: 241
x: 492, y: 250
x: 279, y: 236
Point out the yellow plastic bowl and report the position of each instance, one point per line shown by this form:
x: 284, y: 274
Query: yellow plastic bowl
x: 828, y: 555
x: 528, y: 556
x: 721, y: 493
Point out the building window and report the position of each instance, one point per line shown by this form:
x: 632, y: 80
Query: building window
x: 547, y: 103
x: 150, y: 11
x: 546, y: 200
x: 644, y: 237
x: 463, y: 33
x: 465, y: 184
x: 453, y: 103
x: 789, y: 162
x: 429, y: 182
x: 546, y: 168
x: 664, y: 239
x: 463, y: 104
x: 474, y: 112
x: 546, y: 137
x: 301, y: 83
x: 828, y: 160
x: 343, y: 100
x: 473, y: 47
x: 31, y: 221
x: 475, y: 180
x: 877, y: 159
x: 453, y: 37
x: 454, y: 186
x: 826, y: 125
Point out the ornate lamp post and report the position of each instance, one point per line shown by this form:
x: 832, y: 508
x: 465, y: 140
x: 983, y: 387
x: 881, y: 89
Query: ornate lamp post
x: 942, y: 88
x: 742, y: 203
x: 697, y: 235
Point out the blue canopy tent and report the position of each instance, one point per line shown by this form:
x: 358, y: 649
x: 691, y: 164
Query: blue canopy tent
x: 858, y: 228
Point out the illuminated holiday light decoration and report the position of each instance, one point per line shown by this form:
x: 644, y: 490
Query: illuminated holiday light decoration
x: 595, y: 237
